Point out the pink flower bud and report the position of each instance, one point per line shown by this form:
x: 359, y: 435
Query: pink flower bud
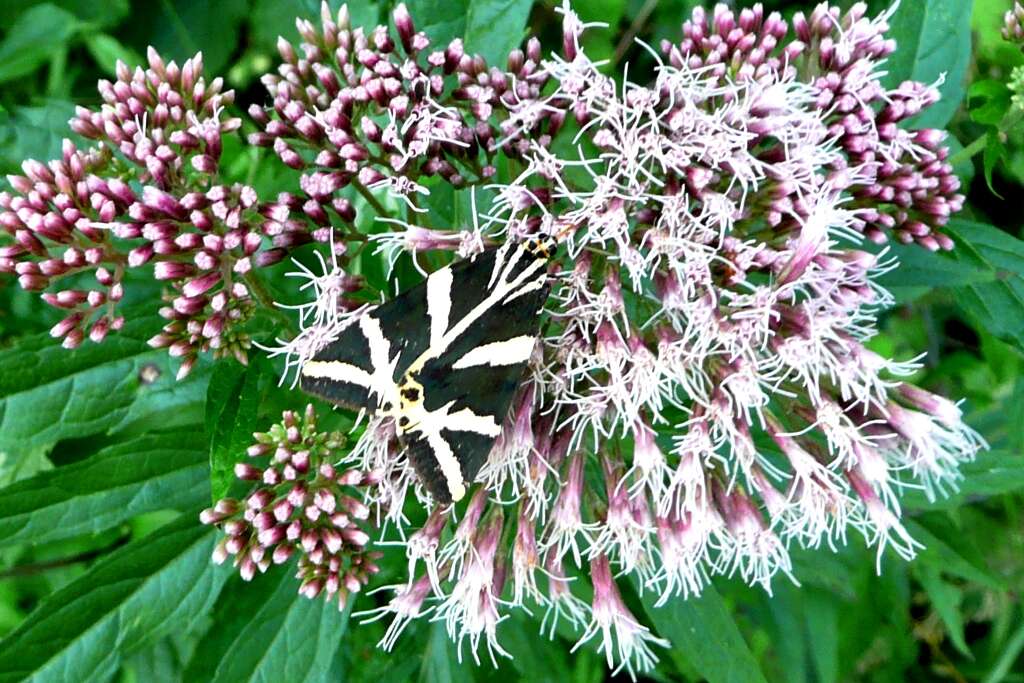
x: 200, y: 285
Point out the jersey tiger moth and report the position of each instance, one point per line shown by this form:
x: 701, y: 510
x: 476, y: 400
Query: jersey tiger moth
x: 443, y: 359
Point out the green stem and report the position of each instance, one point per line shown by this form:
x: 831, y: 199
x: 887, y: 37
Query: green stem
x: 969, y: 151
x: 978, y: 144
x: 259, y: 291
x: 634, y: 29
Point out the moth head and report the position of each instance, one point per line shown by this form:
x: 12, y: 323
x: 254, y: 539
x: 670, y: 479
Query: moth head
x: 410, y: 397
x: 540, y: 247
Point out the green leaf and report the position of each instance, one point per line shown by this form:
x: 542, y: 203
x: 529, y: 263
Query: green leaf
x: 266, y: 631
x: 160, y: 662
x: 992, y: 473
x: 232, y: 402
x: 1007, y: 657
x: 180, y: 28
x: 996, y: 306
x: 922, y: 268
x: 941, y: 554
x: 988, y: 101
x: 106, y: 50
x: 48, y: 393
x: 35, y: 37
x: 821, y: 611
x: 945, y: 598
x: 536, y: 659
x: 161, y: 584
x: 33, y: 133
x: 786, y: 624
x: 273, y: 18
x: 440, y: 662
x: 491, y: 28
x: 155, y: 472
x: 995, y: 151
x: 704, y: 636
x: 102, y: 14
x: 933, y: 38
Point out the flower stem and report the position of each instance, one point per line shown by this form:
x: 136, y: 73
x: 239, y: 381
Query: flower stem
x: 969, y: 151
x: 260, y: 293
x: 978, y: 144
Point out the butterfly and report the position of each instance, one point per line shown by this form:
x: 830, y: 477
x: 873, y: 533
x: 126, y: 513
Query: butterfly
x: 443, y: 359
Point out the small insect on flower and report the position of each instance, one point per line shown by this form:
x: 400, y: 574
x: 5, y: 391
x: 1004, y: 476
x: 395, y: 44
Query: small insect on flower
x: 443, y: 360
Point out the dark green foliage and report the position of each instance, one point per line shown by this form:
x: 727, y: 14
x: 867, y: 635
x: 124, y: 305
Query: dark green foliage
x: 105, y: 572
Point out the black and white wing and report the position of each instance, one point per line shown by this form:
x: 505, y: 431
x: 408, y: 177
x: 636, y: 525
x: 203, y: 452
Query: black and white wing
x: 444, y: 358
x: 361, y: 368
x: 455, y: 397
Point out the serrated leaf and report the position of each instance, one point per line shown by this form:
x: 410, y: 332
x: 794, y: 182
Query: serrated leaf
x: 996, y: 306
x: 988, y: 101
x: 36, y: 36
x: 922, y: 268
x: 232, y: 403
x: 945, y: 598
x: 265, y: 631
x: 705, y: 636
x: 491, y: 28
x: 933, y: 39
x: 155, y: 472
x: 48, y: 393
x: 163, y: 583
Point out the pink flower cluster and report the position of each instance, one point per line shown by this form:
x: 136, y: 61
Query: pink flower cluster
x: 147, y: 197
x: 371, y: 110
x: 301, y: 505
x: 706, y: 356
x: 705, y: 398
x: 1013, y: 29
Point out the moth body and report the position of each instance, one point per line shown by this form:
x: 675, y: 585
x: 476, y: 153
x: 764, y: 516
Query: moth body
x: 443, y: 359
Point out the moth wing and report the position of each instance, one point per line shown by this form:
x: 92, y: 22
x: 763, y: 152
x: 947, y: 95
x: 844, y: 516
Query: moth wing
x: 339, y: 372
x: 336, y: 372
x: 344, y: 371
x: 480, y: 371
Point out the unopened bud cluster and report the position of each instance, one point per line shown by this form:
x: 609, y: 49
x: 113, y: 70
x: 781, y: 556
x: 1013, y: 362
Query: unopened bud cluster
x: 377, y: 110
x: 300, y: 504
x: 146, y: 197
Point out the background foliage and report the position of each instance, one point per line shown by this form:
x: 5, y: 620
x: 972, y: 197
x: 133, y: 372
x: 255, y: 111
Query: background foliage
x: 104, y: 458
